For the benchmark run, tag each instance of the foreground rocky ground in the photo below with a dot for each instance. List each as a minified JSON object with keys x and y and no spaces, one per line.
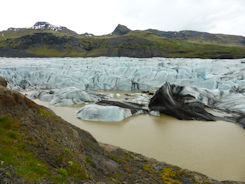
{"x":36,"y":146}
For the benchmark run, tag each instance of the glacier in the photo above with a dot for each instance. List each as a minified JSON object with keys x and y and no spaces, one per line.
{"x":128,"y":74}
{"x":219,"y":84}
{"x":67,"y":96}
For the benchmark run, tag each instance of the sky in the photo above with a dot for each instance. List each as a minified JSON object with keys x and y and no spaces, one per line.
{"x":102,"y":16}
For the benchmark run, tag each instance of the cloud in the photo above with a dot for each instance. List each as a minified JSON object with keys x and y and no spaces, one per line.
{"x":101,"y":17}
{"x":174,"y":15}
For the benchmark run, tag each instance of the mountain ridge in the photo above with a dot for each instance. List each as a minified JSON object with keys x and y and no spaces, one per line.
{"x":42,"y":25}
{"x":45,"y":40}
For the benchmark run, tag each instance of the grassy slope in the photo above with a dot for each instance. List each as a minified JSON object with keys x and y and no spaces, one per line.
{"x":135,"y":44}
{"x":22,"y":32}
{"x":15,"y":151}
{"x":202,"y":37}
{"x":176,"y":48}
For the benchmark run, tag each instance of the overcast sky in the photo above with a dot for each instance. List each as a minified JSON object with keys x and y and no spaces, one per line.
{"x":102,"y":16}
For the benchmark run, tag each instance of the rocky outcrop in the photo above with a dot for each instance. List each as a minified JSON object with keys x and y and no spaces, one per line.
{"x":190,"y":103}
{"x":133,"y":107}
{"x":3,"y":82}
{"x":121,"y":30}
{"x":169,"y":100}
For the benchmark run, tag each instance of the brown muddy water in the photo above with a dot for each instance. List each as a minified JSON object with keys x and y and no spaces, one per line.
{"x":216,"y":149}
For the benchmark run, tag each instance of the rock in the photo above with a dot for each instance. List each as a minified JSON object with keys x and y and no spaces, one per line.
{"x":127,"y":168}
{"x":121,"y":30}
{"x":241,"y":120}
{"x":11,"y":98}
{"x":94,"y":112}
{"x":24,"y":84}
{"x":3,"y":82}
{"x":168,"y":100}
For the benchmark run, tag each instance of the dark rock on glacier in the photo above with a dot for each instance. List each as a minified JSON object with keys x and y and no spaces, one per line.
{"x":134,"y":107}
{"x":241,"y":120}
{"x":169,"y":100}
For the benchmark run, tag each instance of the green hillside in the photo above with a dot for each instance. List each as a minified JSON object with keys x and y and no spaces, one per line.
{"x":122,"y":42}
{"x":202,"y":37}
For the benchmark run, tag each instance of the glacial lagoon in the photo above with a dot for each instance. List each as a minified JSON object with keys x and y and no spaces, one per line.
{"x":216,"y":149}
{"x":213,"y":148}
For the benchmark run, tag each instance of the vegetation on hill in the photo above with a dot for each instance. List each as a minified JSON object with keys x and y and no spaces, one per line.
{"x":122,"y":42}
{"x":202,"y":37}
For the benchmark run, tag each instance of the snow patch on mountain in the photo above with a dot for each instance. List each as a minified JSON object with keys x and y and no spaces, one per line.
{"x":43,"y":26}
{"x":47,"y":26}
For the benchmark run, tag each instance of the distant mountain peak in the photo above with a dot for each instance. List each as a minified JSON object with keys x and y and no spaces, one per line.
{"x":87,"y":34}
{"x":121,"y":30}
{"x":47,"y":26}
{"x":14,"y":29}
{"x":42,"y":25}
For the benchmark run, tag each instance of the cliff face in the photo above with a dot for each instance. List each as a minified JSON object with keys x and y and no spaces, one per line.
{"x":36,"y":146}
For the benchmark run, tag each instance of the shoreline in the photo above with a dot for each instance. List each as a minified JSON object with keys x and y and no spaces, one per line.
{"x":197,"y":143}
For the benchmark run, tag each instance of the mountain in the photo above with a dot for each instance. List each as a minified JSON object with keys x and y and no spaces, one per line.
{"x":46,"y":40}
{"x":45,"y":26}
{"x":121,"y":30}
{"x":201,"y":37}
{"x":36,"y":147}
{"x":86,"y":34}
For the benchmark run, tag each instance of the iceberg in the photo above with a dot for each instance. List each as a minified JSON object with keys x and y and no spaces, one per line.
{"x":94,"y":112}
{"x":106,"y":110}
